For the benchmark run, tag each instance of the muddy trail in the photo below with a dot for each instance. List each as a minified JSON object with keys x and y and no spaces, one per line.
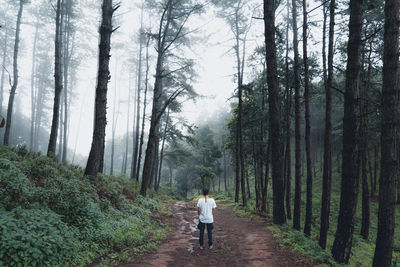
{"x":237,"y":242}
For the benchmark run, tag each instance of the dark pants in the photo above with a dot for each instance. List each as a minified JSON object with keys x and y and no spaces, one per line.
{"x":210,"y":227}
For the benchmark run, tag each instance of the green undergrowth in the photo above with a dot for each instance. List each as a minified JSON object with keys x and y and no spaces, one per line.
{"x":52,"y":215}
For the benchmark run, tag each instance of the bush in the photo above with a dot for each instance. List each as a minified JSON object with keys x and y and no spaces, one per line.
{"x":53,"y":215}
{"x":14,"y":185}
{"x":36,"y":237}
{"x":67,"y":197}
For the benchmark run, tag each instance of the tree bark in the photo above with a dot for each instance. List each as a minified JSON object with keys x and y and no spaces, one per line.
{"x":96,"y":157}
{"x":114,"y":119}
{"x":33,"y":88}
{"x":265,"y":203}
{"x":225,"y":185}
{"x":327,"y":168}
{"x":125,"y":162}
{"x":247,"y":184}
{"x":154,"y":163}
{"x":350,"y":164}
{"x":240,"y":108}
{"x":255,"y":167}
{"x":153,"y":133}
{"x":144,"y":111}
{"x":58,"y":80}
{"x":162,"y":153}
{"x":288,"y":162}
{"x":376,"y":159}
{"x":139,"y":86}
{"x":279,"y":216}
{"x":157,"y":99}
{"x":365,"y":220}
{"x":4,"y":60}
{"x":297,"y":133}
{"x":39,"y":108}
{"x":67,"y":60}
{"x":60,"y":128}
{"x":15,"y":74}
{"x":307,"y":224}
{"x":389,"y":168}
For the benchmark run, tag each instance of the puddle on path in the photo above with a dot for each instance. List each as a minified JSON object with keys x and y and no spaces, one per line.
{"x":188,"y":224}
{"x":180,"y":227}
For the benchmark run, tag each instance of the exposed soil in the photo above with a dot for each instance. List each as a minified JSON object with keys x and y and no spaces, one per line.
{"x":237,"y":242}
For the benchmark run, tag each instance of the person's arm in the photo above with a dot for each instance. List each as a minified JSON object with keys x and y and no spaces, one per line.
{"x":198,"y":208}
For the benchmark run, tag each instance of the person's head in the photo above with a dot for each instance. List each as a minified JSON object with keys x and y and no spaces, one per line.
{"x":205,"y":191}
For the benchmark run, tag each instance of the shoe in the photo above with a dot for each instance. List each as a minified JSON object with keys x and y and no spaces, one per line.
{"x":210,"y":247}
{"x":201,"y":247}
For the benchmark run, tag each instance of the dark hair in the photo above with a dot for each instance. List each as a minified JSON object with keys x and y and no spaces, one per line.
{"x":205,"y":191}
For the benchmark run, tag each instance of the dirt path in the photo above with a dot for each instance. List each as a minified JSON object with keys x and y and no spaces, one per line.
{"x":237,"y":242}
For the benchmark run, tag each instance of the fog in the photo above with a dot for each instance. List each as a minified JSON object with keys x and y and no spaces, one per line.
{"x":211,"y":48}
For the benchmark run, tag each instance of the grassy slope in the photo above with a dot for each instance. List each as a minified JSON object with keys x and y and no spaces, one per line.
{"x":52,"y":215}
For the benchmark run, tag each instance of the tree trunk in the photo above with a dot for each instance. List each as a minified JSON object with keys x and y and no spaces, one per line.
{"x":237,"y":167}
{"x":297,"y":133}
{"x":307,"y":224}
{"x":365,"y":195}
{"x":265,"y":203}
{"x":365,"y":221}
{"x":256,"y":174}
{"x":288,"y":163}
{"x":33,"y":89}
{"x":153,"y":133}
{"x":125,"y":163}
{"x":260,"y":148}
{"x":225,"y":185}
{"x":387,"y":181}
{"x":5,"y":50}
{"x":162,"y":152}
{"x":139,"y":86}
{"x":157,"y":102}
{"x":219,"y":184}
{"x":39,"y":109}
{"x":155,"y":162}
{"x":371,"y":174}
{"x":114,"y":119}
{"x":15,"y":74}
{"x":373,"y":189}
{"x":248,"y":184}
{"x":58,"y":80}
{"x":327,"y":168}
{"x":350,"y":168}
{"x":77,"y":134}
{"x":60,"y":128}
{"x":239,"y":127}
{"x":274,"y":114}
{"x":144,"y":111}
{"x":96,"y":157}
{"x":67,"y":59}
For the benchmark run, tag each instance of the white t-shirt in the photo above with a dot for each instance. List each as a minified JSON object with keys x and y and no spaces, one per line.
{"x":206,"y":209}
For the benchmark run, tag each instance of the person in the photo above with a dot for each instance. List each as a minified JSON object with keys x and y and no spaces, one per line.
{"x":205,"y":207}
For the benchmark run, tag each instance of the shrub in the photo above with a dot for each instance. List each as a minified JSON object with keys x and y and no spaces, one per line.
{"x":14,"y":185}
{"x":52,"y":215}
{"x":35,"y":237}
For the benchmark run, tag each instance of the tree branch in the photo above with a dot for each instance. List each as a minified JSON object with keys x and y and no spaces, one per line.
{"x":169,"y":101}
{"x":337,"y":89}
{"x":371,"y":35}
{"x":9,"y":75}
